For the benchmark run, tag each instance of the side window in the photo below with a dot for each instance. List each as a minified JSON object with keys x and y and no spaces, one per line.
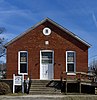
{"x":70,"y":61}
{"x":22,"y":62}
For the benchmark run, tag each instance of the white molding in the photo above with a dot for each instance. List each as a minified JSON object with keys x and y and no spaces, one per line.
{"x":19,"y":63}
{"x":47,"y":50}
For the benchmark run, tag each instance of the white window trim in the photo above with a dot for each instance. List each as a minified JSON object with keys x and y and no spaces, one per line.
{"x":19,"y":63}
{"x":71,"y":73}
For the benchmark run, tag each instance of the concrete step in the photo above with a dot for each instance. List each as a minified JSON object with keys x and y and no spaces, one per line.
{"x":44,"y":87}
{"x":41,"y":87}
{"x":38,"y":92}
{"x":43,"y":84}
{"x":38,"y":84}
{"x":40,"y":81}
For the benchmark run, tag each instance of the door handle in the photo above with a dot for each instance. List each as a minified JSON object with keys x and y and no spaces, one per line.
{"x":46,"y":71}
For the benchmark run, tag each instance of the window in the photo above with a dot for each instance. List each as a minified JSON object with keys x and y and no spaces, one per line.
{"x":46,"y":57}
{"x":22,"y":62}
{"x":46,"y":31}
{"x":70,"y":61}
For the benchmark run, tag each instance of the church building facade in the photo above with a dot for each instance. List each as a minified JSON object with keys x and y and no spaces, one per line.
{"x":45,"y":51}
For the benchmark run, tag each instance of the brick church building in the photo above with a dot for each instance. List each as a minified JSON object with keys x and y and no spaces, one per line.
{"x":45,"y":50}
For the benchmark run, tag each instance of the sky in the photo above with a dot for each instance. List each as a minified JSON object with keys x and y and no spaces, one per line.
{"x":78,"y":16}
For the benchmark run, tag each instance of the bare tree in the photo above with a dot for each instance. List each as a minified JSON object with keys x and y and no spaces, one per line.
{"x":93,"y":66}
{"x":2,"y":54}
{"x":2,"y":41}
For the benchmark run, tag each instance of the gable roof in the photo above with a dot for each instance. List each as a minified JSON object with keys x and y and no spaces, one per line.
{"x":54,"y":23}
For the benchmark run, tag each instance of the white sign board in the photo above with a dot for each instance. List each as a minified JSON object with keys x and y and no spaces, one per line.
{"x":18,"y":80}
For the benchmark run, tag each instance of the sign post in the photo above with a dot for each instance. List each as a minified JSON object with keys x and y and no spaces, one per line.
{"x":22,"y":83}
{"x":13,"y":83}
{"x":18,"y":81}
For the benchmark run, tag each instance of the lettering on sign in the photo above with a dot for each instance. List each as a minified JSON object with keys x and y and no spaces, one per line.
{"x":18,"y":80}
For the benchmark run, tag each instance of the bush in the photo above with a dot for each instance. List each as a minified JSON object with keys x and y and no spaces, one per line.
{"x":4,"y":88}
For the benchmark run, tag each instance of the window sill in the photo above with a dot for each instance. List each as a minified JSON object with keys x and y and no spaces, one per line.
{"x":23,"y":73}
{"x":71,"y":73}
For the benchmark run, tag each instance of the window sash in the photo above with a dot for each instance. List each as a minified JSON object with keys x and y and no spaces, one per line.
{"x":23,"y":68}
{"x":70,"y":67}
{"x":23,"y":64}
{"x":47,"y":58}
{"x":70,"y":61}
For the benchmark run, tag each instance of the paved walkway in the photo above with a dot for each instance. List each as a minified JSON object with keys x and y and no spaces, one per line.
{"x":33,"y":97}
{"x":50,"y":97}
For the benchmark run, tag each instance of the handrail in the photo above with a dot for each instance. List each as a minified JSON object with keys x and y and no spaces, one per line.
{"x":83,"y":73}
{"x":77,"y":76}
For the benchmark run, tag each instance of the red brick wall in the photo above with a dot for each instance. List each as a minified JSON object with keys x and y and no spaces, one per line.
{"x":34,"y":41}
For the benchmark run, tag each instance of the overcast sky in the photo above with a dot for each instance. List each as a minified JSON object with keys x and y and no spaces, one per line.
{"x":78,"y":16}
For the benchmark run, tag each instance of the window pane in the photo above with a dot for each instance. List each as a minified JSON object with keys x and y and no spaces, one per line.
{"x":46,"y":54}
{"x":23,"y":68}
{"x":70,"y":67}
{"x":46,"y":31}
{"x":46,"y":57}
{"x":47,"y":61}
{"x":70,"y":57}
{"x":23,"y":56}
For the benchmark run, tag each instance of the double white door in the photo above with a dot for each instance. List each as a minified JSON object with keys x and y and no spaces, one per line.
{"x":46,"y":64}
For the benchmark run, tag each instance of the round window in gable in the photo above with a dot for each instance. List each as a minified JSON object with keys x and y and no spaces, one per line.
{"x":46,"y":31}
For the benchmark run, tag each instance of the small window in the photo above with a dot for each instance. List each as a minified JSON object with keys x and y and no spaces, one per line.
{"x":70,"y":61}
{"x":23,"y":62}
{"x":46,"y":31}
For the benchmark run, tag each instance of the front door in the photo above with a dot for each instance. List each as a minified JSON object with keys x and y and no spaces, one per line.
{"x":46,"y":64}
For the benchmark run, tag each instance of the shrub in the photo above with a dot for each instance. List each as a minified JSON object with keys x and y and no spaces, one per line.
{"x":4,"y":88}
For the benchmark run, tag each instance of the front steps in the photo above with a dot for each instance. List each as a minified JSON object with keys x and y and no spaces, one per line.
{"x":45,"y":87}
